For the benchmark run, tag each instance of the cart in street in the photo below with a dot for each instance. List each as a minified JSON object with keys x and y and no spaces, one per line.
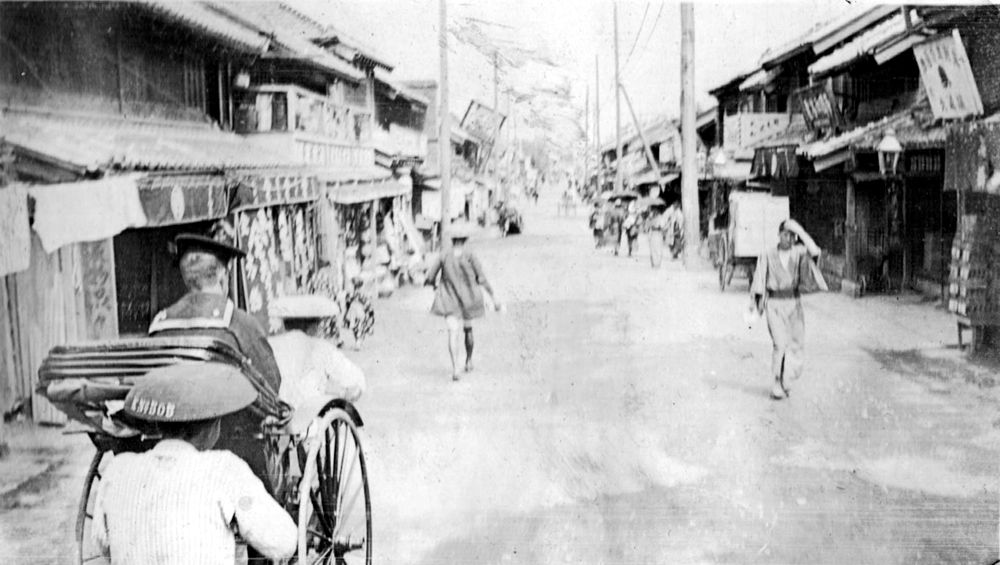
{"x":754,"y":218}
{"x":313,"y":452}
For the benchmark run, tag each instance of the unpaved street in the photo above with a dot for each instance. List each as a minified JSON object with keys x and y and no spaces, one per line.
{"x":621,"y":415}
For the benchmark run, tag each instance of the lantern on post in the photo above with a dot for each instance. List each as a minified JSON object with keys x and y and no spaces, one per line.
{"x":889,"y":150}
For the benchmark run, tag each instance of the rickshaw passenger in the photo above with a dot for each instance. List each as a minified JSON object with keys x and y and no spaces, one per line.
{"x":206,"y":310}
{"x":183,"y":502}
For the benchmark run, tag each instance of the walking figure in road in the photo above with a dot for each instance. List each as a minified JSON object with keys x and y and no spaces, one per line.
{"x":324,"y":283}
{"x":616,"y":220}
{"x":360,"y":315}
{"x":597,"y":224}
{"x":657,"y":234}
{"x":458,"y":275}
{"x":675,"y":230}
{"x":631,"y":227}
{"x":783,"y":274}
{"x":182,"y":501}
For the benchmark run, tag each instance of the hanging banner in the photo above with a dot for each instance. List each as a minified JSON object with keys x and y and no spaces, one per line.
{"x":947,"y":77}
{"x":15,"y":235}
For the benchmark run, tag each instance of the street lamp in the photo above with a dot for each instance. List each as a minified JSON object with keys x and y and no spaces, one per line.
{"x":889,"y":150}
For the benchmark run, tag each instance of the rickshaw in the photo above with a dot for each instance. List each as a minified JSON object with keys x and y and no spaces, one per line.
{"x":313,"y":452}
{"x":754,"y":218}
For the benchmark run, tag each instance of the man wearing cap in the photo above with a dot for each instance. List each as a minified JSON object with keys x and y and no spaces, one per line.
{"x":182,"y":502}
{"x":207,"y":310}
{"x":458,"y":297}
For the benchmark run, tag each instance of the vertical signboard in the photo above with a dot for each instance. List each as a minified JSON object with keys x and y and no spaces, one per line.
{"x":947,"y":77}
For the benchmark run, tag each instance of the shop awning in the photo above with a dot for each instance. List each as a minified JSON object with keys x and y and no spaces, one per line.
{"x":74,"y":212}
{"x":85,"y":145}
{"x":358,"y":192}
{"x":650,"y":177}
{"x":732,"y":170}
{"x":760,"y":79}
{"x":181,"y":199}
{"x":256,"y":189}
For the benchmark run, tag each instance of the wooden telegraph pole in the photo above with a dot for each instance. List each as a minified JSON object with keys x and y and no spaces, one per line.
{"x":689,"y":164}
{"x":597,"y":123}
{"x":444,"y":134}
{"x":618,"y":113}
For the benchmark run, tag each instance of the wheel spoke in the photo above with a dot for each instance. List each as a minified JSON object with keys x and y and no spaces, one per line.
{"x":318,"y":510}
{"x":321,"y":535}
{"x":347,"y":479}
{"x":93,"y":558}
{"x":347,"y":510}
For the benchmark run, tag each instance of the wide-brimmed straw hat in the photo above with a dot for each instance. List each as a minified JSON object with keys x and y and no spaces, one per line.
{"x":188,"y":392}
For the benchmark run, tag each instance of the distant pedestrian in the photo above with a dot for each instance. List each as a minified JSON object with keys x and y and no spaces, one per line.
{"x":657,"y":226}
{"x":675,"y":230}
{"x":325,"y":282}
{"x":631,"y":227}
{"x":598,"y":222}
{"x":616,"y":220}
{"x":459,"y":283}
{"x":360,"y":313}
{"x":783,"y":274}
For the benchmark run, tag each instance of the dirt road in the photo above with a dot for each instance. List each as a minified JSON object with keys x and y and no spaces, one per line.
{"x":620,"y":415}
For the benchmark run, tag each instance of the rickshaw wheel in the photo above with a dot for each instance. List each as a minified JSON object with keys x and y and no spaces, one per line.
{"x":87,"y":553}
{"x":335,"y":527}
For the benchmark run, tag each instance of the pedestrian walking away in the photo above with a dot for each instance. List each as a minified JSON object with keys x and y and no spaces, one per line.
{"x":597,"y":224}
{"x":182,"y":502}
{"x":631,"y":227}
{"x":783,"y":274}
{"x":459,"y":283}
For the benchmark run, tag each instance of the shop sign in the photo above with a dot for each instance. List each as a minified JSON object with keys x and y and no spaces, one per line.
{"x":924,"y":163}
{"x":947,"y":77}
{"x":819,"y":107}
{"x":482,"y":121}
{"x":176,"y":199}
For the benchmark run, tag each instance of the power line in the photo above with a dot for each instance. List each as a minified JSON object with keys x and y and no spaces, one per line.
{"x":637,"y":35}
{"x":652,"y":30}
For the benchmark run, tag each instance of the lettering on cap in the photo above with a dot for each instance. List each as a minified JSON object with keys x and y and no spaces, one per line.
{"x":153,"y":408}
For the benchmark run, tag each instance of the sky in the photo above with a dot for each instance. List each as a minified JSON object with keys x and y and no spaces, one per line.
{"x":730,"y":38}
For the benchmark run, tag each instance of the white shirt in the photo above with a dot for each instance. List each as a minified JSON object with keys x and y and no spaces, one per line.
{"x":175,"y":505}
{"x":312,"y":367}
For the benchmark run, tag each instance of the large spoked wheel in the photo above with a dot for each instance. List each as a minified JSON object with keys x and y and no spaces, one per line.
{"x":335,"y":520}
{"x":87,"y":552}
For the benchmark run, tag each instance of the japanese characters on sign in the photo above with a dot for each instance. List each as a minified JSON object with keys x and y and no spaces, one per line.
{"x":819,"y":107}
{"x":947,"y":77}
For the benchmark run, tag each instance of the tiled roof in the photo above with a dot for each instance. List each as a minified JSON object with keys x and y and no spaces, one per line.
{"x":292,"y":31}
{"x":399,"y":88}
{"x":110,"y":143}
{"x":862,"y":45}
{"x":906,"y":124}
{"x":202,"y":17}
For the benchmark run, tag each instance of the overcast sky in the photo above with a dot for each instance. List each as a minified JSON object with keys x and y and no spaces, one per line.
{"x":729,"y":39}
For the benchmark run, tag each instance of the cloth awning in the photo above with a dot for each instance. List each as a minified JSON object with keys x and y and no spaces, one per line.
{"x":650,"y":177}
{"x":94,"y":144}
{"x":256,"y":189}
{"x":358,"y":192}
{"x":180,"y":199}
{"x":73,"y":212}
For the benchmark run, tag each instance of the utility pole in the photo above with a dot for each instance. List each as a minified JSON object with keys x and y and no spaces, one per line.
{"x":597,"y":123}
{"x":642,"y":137}
{"x":689,"y":164}
{"x":444,"y":134}
{"x":618,"y":114}
{"x":586,"y":138}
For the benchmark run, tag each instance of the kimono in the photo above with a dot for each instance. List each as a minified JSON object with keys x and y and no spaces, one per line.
{"x":457,"y":293}
{"x":780,"y":285}
{"x":657,"y":239}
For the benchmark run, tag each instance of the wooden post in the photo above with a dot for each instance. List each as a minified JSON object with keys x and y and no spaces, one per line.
{"x":689,"y":163}
{"x":850,"y":234}
{"x":618,"y":112}
{"x":597,"y":123}
{"x":642,"y":137}
{"x":444,"y":134}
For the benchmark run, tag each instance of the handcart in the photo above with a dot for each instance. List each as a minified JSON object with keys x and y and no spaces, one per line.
{"x":313,"y":452}
{"x":754,"y":219}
